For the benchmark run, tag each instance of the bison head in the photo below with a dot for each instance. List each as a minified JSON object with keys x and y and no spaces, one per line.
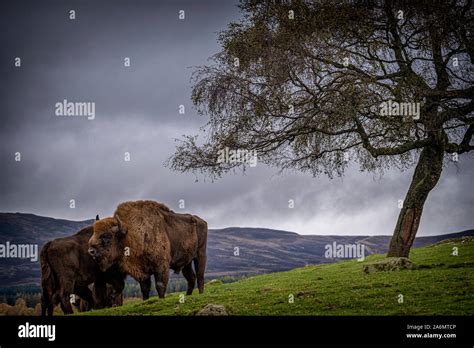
{"x":106,"y":243}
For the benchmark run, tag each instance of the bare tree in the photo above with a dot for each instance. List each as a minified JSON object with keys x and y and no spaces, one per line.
{"x":312,"y":85}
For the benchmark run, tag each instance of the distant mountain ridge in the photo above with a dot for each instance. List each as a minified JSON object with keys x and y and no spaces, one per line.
{"x":259,"y":250}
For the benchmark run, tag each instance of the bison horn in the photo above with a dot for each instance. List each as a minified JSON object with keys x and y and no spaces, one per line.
{"x":120,"y":227}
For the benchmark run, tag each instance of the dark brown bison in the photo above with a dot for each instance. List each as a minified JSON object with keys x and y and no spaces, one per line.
{"x":146,"y":238}
{"x":67,"y":268}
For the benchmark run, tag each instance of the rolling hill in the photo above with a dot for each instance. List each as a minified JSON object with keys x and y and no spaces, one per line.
{"x":260,"y":250}
{"x":441,"y":284}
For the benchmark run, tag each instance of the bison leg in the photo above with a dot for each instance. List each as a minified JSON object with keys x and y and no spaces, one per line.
{"x":87,"y":301}
{"x":116,"y":299}
{"x":84,"y":306}
{"x":190,"y":276}
{"x":66,"y":302}
{"x":118,"y":284}
{"x":145,"y":287}
{"x":200,"y":266}
{"x":46,"y":305}
{"x":100,"y":294}
{"x":161,"y":280}
{"x":50,"y":310}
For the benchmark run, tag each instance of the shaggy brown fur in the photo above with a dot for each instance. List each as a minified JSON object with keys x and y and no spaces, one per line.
{"x":68,"y":269}
{"x":147,"y":238}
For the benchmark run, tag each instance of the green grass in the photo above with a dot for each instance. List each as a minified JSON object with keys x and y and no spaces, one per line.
{"x":443,"y":285}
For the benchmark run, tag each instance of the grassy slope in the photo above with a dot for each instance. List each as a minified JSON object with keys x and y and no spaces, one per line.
{"x":444,"y":287}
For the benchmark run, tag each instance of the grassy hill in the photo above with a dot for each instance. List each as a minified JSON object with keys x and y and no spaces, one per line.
{"x":261,"y":250}
{"x":441,"y":285}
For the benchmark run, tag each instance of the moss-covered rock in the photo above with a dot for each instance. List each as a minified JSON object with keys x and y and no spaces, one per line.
{"x":389,"y":264}
{"x":213,"y":310}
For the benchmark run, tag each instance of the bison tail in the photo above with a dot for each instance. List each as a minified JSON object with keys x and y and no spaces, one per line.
{"x":48,"y":281}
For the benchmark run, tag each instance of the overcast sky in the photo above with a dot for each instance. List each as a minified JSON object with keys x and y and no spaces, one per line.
{"x":64,"y":158}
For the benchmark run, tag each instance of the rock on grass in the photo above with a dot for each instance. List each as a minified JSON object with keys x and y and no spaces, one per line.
{"x":212,"y":310}
{"x":389,"y":264}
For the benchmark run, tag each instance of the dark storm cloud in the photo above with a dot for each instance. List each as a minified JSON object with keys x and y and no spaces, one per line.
{"x":83,"y":59}
{"x":137,"y":112}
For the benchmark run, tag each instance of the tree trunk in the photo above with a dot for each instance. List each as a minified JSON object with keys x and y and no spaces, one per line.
{"x":426,"y":176}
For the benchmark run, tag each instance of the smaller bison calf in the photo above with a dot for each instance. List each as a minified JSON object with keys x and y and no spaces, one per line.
{"x":68,"y":269}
